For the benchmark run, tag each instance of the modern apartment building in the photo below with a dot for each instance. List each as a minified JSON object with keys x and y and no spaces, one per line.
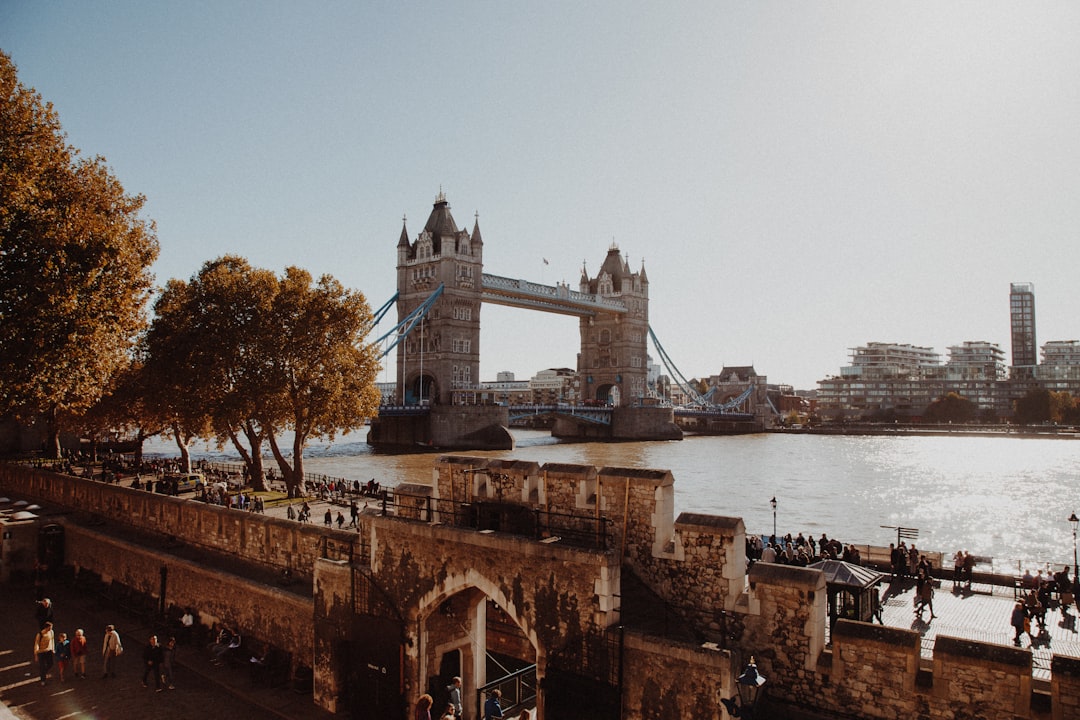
{"x":902,"y":380}
{"x":1022,"y":323}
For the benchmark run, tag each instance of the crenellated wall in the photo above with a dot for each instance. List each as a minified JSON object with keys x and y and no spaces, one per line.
{"x":673,"y":681}
{"x":557,"y":593}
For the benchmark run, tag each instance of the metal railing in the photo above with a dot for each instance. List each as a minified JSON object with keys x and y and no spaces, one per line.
{"x":518,"y":691}
{"x":578,"y":530}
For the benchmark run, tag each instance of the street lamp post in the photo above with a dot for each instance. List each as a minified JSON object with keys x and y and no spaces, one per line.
{"x":749,"y":686}
{"x":773,"y":503}
{"x":1075,"y":521}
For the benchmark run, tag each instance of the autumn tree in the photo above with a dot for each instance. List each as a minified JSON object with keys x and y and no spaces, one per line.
{"x":74,"y":266}
{"x":206,"y":358}
{"x":950,"y":408}
{"x":1034,"y":407}
{"x":324,"y":368}
{"x":245,"y":356}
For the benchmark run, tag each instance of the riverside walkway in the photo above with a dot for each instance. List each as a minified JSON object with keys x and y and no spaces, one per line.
{"x":981,"y":614}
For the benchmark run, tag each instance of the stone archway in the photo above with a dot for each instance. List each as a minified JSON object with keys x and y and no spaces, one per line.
{"x":472,"y":626}
{"x":423,"y":389}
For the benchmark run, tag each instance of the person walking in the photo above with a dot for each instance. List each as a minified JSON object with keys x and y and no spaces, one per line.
{"x":78,"y":654}
{"x":152,"y":657}
{"x":44,"y":612}
{"x":168,"y":654}
{"x":926,"y":597}
{"x":453,"y":691}
{"x":1018,"y":620}
{"x":111,"y":648}
{"x":44,"y":648}
{"x":423,"y":707}
{"x":63,"y":655}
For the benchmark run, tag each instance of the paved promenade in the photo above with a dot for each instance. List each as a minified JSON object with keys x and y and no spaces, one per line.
{"x":202,"y":690}
{"x":982,"y":614}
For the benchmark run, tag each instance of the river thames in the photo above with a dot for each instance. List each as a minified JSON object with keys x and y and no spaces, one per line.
{"x":1004,"y":497}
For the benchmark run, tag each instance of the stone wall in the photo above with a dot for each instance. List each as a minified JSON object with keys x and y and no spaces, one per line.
{"x":256,"y":538}
{"x":874,"y":669}
{"x":644,"y":423}
{"x":557,"y":594}
{"x":258,"y":610}
{"x":663,"y":680}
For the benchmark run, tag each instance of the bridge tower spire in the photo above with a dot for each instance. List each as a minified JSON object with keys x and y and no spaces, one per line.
{"x":439,"y":362}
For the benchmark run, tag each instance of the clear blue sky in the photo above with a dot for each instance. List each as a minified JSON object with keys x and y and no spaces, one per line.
{"x":798,"y":178}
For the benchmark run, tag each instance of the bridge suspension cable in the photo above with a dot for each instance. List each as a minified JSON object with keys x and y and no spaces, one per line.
{"x":381,"y":312}
{"x":684,"y":384}
{"x":403,"y":328}
{"x":681,"y":381}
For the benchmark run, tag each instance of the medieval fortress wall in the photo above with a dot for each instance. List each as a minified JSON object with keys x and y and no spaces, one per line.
{"x":426,"y":557}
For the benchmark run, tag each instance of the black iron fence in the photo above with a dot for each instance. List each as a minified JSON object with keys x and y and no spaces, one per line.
{"x":579,"y":530}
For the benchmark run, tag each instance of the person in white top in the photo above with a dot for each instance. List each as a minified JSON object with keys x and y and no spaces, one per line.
{"x":111,"y":648}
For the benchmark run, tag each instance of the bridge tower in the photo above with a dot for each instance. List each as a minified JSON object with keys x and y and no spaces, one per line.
{"x":612,"y":363}
{"x":439,"y":362}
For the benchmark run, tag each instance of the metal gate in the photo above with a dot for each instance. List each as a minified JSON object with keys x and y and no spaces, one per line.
{"x":373,"y":684}
{"x":583,"y":681}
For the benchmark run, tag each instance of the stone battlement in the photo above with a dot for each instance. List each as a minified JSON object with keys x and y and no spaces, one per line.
{"x":397,"y":593}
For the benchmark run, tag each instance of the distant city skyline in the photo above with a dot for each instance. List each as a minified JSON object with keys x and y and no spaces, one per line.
{"x":797,"y":180}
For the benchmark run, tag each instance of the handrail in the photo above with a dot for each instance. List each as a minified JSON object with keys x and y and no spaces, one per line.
{"x":577,"y":530}
{"x":518,"y":690}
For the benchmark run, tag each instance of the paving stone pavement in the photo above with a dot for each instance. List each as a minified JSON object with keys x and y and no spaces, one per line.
{"x":202,"y":690}
{"x":983,"y":614}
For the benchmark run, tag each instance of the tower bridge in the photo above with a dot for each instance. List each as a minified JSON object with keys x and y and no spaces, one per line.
{"x":441,"y":286}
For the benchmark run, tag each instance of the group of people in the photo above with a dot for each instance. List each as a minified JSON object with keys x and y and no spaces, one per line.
{"x":493,"y":709}
{"x":57,"y":649}
{"x":52,"y":648}
{"x":1036,"y":596}
{"x":800,"y":551}
{"x":158,"y":663}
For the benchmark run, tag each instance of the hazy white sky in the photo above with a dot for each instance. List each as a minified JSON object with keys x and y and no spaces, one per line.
{"x":798,"y":178}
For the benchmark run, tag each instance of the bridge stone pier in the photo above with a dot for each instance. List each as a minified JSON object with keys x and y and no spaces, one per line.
{"x":441,"y":287}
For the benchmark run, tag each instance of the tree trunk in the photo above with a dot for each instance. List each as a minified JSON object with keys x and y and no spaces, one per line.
{"x":295,"y":483}
{"x":185,"y":454}
{"x":52,"y":447}
{"x":298,"y":458}
{"x":252,"y":458}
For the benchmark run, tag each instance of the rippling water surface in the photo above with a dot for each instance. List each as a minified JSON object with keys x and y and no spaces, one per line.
{"x":1004,"y":497}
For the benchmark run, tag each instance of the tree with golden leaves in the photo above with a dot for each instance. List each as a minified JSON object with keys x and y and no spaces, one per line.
{"x":323,"y":369}
{"x":245,"y":356}
{"x":75,"y":259}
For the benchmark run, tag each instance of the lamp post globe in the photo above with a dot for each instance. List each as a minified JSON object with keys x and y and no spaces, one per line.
{"x":1075,"y":522}
{"x":750,"y":685}
{"x":773,"y":503}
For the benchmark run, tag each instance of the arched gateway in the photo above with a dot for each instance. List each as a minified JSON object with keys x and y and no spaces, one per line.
{"x":428,"y":601}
